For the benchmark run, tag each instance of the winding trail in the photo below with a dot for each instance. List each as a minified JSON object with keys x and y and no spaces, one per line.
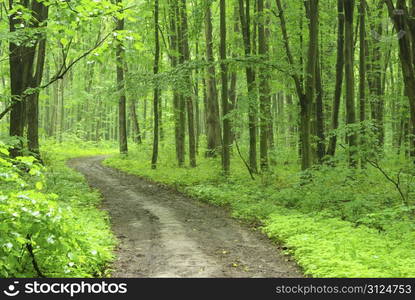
{"x":163,"y":233}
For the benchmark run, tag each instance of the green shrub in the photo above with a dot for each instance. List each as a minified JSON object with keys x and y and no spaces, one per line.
{"x":49,"y":215}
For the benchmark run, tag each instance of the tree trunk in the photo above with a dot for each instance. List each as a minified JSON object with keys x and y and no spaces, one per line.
{"x":188,"y":97}
{"x":331,"y":150}
{"x":197,"y":107}
{"x":122,"y":118}
{"x":375,"y":77}
{"x":224,"y":92}
{"x":362,"y":72}
{"x":135,"y":123}
{"x":213,"y":134}
{"x":244,"y":12}
{"x":321,"y":148}
{"x":22,"y":77}
{"x":16,"y":89}
{"x":156,"y":88}
{"x":33,"y":100}
{"x":264,"y":90}
{"x":349,"y":76}
{"x":174,"y":57}
{"x":234,"y":75}
{"x":310,"y":85}
{"x":61,"y":108}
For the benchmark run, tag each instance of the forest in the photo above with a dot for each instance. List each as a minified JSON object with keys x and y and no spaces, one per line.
{"x":187,"y":122}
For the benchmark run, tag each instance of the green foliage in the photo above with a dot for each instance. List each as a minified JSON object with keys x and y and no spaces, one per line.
{"x":335,"y":221}
{"x":334,"y":248}
{"x":52,"y":210}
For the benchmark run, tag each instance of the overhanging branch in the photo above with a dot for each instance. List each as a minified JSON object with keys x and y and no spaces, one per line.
{"x":60,"y":74}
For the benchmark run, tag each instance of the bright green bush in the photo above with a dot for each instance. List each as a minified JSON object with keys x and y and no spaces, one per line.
{"x":52,"y":211}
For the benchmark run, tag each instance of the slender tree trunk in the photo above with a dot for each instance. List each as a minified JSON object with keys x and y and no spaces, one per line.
{"x":321,"y":148}
{"x":224,"y":92}
{"x":406,"y":44}
{"x":305,"y":95}
{"x":244,"y":12}
{"x":122,"y":115}
{"x":174,"y":49}
{"x":33,"y":102}
{"x":160,"y":109}
{"x":264,"y":90}
{"x":156,"y":88}
{"x":310,"y":85}
{"x":362,"y":72}
{"x":41,"y":12}
{"x":144,"y":117}
{"x":234,"y":75}
{"x":197,"y":107}
{"x":339,"y":78}
{"x":188,"y":97}
{"x":47,"y":111}
{"x":135,"y":123}
{"x":375,"y":77}
{"x":213,"y":134}
{"x":178,"y":98}
{"x":349,"y":76}
{"x":61,"y":109}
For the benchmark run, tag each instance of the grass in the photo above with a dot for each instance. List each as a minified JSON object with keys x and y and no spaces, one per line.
{"x":335,"y":222}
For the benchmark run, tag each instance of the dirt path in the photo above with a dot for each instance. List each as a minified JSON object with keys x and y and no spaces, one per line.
{"x":165,"y":234}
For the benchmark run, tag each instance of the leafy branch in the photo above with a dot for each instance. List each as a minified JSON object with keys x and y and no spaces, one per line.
{"x":60,"y":74}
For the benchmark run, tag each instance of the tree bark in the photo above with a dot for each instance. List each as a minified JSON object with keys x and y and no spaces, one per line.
{"x":244,"y":12}
{"x":41,"y":12}
{"x":321,"y":148}
{"x":264,"y":89}
{"x":375,"y":78}
{"x":349,"y":76}
{"x":305,"y":95}
{"x":188,"y":97}
{"x":122,"y":118}
{"x":177,"y":99}
{"x":224,"y":92}
{"x":310,"y":85}
{"x":213,"y":134}
{"x":362,"y":72}
{"x":136,"y":125}
{"x":156,"y":88}
{"x":331,"y":150}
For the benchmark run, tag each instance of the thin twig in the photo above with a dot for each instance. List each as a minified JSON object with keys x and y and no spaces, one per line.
{"x":60,"y":74}
{"x":243,"y":159}
{"x":396,"y":183}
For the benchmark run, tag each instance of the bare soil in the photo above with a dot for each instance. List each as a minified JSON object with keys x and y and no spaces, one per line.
{"x":163,"y":233}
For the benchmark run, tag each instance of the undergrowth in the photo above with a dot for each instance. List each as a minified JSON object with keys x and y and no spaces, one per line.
{"x":50,"y":222}
{"x":334,"y":221}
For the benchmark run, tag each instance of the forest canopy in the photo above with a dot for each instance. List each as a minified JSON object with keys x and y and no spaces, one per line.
{"x":273,"y":75}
